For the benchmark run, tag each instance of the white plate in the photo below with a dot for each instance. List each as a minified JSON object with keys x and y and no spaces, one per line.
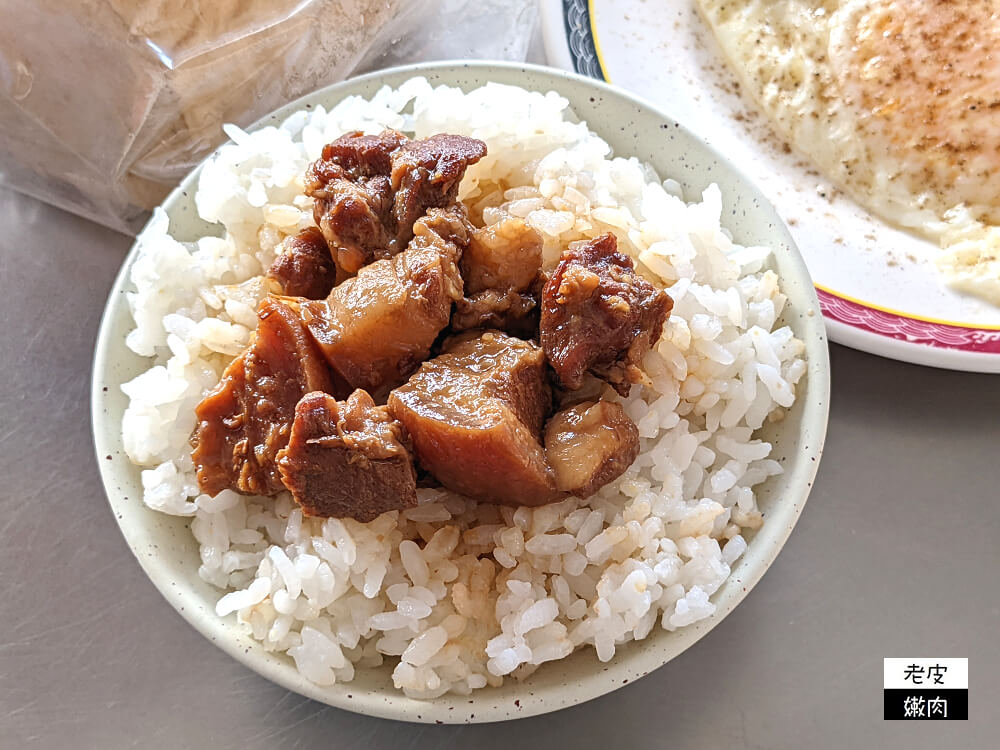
{"x":875,"y":286}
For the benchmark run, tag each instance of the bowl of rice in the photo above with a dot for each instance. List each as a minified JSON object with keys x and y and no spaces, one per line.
{"x":457,"y":611}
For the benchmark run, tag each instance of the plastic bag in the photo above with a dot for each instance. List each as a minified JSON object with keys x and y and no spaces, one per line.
{"x":106,"y":104}
{"x":460,"y":30}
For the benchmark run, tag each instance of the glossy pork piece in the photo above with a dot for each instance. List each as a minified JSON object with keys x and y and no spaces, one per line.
{"x":501,"y":270}
{"x":426,"y":174}
{"x":589,"y":445}
{"x":347,"y":459}
{"x":376,"y":328}
{"x":304,"y":266}
{"x":246,"y":419}
{"x":599,"y":315}
{"x":353,"y":194}
{"x":371,"y":189}
{"x":475,"y":416}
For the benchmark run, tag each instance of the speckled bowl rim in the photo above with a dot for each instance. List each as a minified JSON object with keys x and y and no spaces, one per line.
{"x":556,"y":685}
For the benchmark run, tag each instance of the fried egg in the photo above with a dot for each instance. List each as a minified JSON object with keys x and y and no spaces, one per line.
{"x":896,"y":101}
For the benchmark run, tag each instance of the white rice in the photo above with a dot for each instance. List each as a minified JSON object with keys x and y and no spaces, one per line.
{"x":458,"y":595}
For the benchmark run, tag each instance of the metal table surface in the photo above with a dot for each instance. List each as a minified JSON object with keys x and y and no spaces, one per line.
{"x":896,"y":555}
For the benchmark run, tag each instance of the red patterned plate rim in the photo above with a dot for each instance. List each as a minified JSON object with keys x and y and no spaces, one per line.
{"x":914,"y":330}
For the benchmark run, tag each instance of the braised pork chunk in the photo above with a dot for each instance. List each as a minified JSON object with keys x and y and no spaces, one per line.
{"x":371,"y":189}
{"x":347,"y":459}
{"x":501,"y":268}
{"x":246,"y":419}
{"x":599,"y":315}
{"x":475,"y":415}
{"x":376,"y":328}
{"x":304,"y":266}
{"x":589,"y":445}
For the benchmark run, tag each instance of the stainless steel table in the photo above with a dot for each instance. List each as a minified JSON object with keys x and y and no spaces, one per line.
{"x":895,"y":555}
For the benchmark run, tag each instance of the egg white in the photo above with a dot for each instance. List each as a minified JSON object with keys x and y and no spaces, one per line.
{"x":896,"y":101}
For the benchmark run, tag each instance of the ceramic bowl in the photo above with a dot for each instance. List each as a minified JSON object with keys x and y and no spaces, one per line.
{"x":168,"y":553}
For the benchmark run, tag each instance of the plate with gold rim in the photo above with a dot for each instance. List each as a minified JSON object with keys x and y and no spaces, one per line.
{"x":876,"y":284}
